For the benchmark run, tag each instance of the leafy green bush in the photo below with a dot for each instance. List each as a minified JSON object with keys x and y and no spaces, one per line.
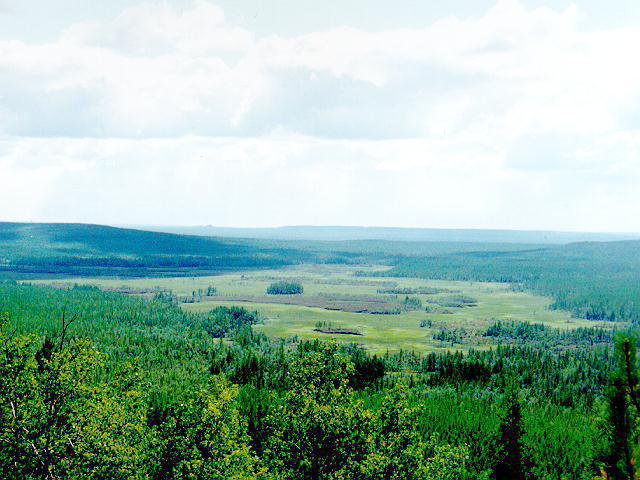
{"x":285,"y":288}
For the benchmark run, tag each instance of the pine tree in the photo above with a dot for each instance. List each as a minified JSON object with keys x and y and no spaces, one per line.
{"x":622,"y":403}
{"x":511,"y":465}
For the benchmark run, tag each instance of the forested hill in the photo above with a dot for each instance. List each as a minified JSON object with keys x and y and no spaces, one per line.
{"x":594,"y":280}
{"x":353,"y":233}
{"x":97,"y":250}
{"x":80,"y":249}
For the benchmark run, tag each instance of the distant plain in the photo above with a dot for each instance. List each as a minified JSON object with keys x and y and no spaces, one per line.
{"x":378,"y":333}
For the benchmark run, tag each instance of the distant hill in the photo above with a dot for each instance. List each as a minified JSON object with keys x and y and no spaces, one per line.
{"x":65,"y":249}
{"x":80,"y":249}
{"x":330,"y":233}
{"x":593,"y":280}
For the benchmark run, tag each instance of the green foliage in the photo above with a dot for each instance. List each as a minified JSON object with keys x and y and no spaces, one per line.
{"x":622,"y":412}
{"x":220,"y":321}
{"x":534,"y":333}
{"x":219,"y":400}
{"x":597,"y":281}
{"x":204,"y":437}
{"x":57,"y":422}
{"x":511,"y":464}
{"x":450,"y":335}
{"x":401,"y":452}
{"x":412,"y":303}
{"x":329,"y":328}
{"x":553,"y":374}
{"x":94,"y":250}
{"x":456,"y":301}
{"x":560,"y":442}
{"x":367,"y":370}
{"x":285,"y":288}
{"x":412,"y":291}
{"x":320,"y":430}
{"x":171,"y":346}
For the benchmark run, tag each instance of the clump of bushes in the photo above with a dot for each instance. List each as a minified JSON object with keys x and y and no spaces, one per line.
{"x":453,"y":336}
{"x":412,"y":303}
{"x":222,"y":320}
{"x":329,"y":327}
{"x":285,"y":288}
{"x":435,"y":308}
{"x":414,"y":291}
{"x":457,"y":301}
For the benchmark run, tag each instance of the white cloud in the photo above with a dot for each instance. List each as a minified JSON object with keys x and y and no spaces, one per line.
{"x":492,"y":121}
{"x":156,"y":70}
{"x":150,"y":29}
{"x":292,"y":179}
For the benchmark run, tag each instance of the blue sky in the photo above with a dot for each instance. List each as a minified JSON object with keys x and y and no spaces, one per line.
{"x":508,"y":114}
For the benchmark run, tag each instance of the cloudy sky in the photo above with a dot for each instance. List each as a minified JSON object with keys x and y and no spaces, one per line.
{"x":508,"y":114}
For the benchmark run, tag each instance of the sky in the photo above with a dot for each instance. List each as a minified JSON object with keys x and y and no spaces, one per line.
{"x":462,"y":114}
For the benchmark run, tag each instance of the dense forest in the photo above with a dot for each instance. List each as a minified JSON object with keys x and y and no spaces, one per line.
{"x":597,"y":281}
{"x":94,"y":250}
{"x":36,"y":250}
{"x":102,"y":385}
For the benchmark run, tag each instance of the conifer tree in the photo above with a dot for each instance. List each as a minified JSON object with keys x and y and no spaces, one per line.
{"x":511,"y":465}
{"x":622,"y":405}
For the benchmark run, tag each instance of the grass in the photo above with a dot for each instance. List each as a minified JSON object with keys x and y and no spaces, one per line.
{"x":379,"y":332}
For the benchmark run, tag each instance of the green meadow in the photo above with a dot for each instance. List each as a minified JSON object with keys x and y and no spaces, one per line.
{"x":411,"y":329}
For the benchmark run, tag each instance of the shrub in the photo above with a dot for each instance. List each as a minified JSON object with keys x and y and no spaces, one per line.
{"x":285,"y":288}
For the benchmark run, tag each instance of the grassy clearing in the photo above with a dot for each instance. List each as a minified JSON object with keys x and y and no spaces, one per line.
{"x":378,"y":332}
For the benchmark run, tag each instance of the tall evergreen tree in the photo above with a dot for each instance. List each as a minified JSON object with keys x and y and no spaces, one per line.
{"x":622,"y":403}
{"x":511,"y":466}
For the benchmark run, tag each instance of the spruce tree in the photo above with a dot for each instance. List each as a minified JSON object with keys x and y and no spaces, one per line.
{"x":622,"y":403}
{"x":511,"y":465}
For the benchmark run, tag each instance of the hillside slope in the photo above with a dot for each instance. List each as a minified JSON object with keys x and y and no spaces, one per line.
{"x":594,"y":280}
{"x":80,"y":249}
{"x":339,"y":233}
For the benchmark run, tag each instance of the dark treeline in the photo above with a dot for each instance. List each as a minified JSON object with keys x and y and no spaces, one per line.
{"x":95,"y":250}
{"x":597,"y":281}
{"x":512,"y":332}
{"x":134,"y":388}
